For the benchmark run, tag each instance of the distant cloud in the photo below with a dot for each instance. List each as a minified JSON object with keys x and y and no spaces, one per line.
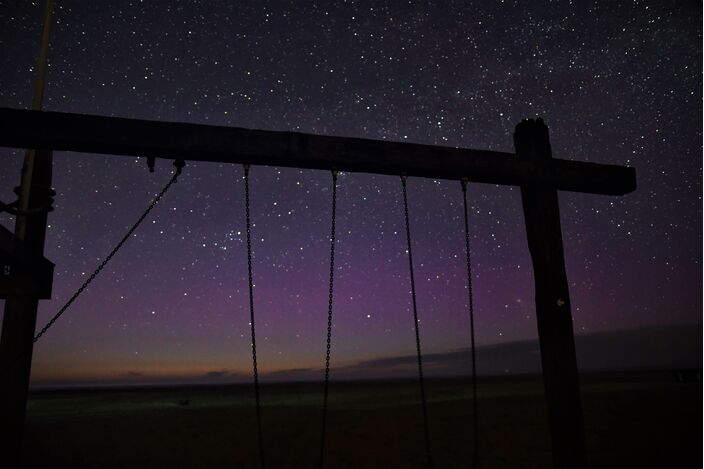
{"x":386,"y":362}
{"x":220,"y":374}
{"x":655,"y":348}
{"x":670,"y":347}
{"x":295,"y":374}
{"x":292,"y":371}
{"x":512,"y":357}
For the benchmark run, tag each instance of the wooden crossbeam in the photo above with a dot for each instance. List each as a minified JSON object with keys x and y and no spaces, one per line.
{"x":195,"y":142}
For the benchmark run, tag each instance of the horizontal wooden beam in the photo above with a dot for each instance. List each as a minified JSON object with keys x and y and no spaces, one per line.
{"x":195,"y":142}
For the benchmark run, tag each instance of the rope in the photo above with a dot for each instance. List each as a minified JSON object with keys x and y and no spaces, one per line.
{"x":251,"y":316}
{"x":179,"y":166}
{"x":475,"y":416}
{"x":421,"y":380}
{"x":330,"y":291}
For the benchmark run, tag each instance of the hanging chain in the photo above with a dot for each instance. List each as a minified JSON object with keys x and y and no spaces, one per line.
{"x":475,"y":416}
{"x":421,"y":380}
{"x":330,"y":292}
{"x":179,"y":164}
{"x":251,"y":316}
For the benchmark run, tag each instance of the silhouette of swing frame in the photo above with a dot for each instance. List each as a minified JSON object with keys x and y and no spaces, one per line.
{"x":532,"y":168}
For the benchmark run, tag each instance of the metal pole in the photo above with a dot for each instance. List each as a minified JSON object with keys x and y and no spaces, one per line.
{"x":28,"y":165}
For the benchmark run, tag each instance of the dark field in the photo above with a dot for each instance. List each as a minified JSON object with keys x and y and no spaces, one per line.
{"x":639,"y":420}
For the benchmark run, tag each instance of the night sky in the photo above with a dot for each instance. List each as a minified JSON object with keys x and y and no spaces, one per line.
{"x":616,"y":82}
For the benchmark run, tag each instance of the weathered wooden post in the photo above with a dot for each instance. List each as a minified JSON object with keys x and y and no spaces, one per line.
{"x":20,"y":314}
{"x":19,"y":320}
{"x":552,"y":303}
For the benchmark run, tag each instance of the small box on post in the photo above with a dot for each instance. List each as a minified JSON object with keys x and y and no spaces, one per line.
{"x":22,"y":275}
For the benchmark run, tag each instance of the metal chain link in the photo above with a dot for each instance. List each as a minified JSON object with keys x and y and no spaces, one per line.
{"x":421,"y":380}
{"x":330,"y":296}
{"x":475,"y":416}
{"x":251,"y":316}
{"x":179,"y":166}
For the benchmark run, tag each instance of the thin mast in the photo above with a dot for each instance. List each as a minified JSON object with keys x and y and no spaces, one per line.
{"x":39,"y":85}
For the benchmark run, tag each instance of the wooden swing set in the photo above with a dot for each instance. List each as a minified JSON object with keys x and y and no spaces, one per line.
{"x":26,"y":276}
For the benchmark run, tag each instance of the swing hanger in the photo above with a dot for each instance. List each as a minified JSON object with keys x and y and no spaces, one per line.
{"x":179,"y":163}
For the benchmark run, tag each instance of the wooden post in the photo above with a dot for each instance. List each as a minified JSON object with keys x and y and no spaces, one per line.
{"x":552,"y":304}
{"x":19,"y":321}
{"x":20,"y":315}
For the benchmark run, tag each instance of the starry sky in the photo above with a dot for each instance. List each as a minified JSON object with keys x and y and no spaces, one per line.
{"x":616,"y":82}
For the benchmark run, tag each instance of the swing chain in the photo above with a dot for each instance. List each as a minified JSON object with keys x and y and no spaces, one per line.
{"x":475,"y":417}
{"x":329,"y":332}
{"x":421,"y":379}
{"x":332,"y":273}
{"x":255,"y":370}
{"x":179,"y":164}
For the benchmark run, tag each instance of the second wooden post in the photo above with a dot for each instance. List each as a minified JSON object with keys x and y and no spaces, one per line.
{"x":552,"y":304}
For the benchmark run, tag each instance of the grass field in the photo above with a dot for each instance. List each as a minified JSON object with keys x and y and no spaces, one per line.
{"x":645,"y":420}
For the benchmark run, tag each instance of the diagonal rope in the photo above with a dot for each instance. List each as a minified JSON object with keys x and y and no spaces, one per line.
{"x":330,"y":292}
{"x":179,"y":166}
{"x":421,"y":380}
{"x":475,"y":416}
{"x":251,"y":317}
